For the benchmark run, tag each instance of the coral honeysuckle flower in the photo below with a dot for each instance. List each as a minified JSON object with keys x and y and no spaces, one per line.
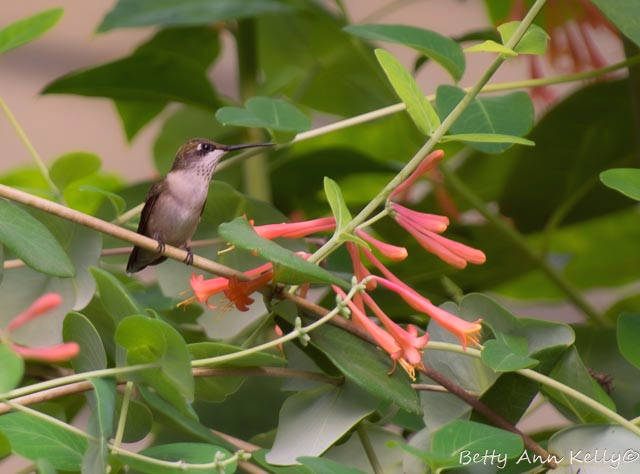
{"x":464,"y":330}
{"x":294,"y":230}
{"x":43,"y":304}
{"x":392,"y":252}
{"x":408,"y":357}
{"x":425,"y":166}
{"x":454,"y":253}
{"x":57,"y":353}
{"x":236,"y":292}
{"x":407,"y":339}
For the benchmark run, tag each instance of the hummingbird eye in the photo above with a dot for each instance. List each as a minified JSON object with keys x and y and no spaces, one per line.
{"x":206,"y":147}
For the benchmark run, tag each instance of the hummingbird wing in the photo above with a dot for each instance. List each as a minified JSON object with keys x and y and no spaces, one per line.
{"x":140,"y":258}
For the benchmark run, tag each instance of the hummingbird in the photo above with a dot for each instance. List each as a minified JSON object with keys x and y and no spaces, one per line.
{"x":173,"y":206}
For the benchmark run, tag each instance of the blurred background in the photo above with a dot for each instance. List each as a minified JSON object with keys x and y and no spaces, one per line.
{"x":58,"y":124}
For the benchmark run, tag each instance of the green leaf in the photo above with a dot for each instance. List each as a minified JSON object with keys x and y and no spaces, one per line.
{"x":454,"y":444}
{"x":318,"y":53}
{"x":502,"y":358}
{"x":441,"y":49}
{"x":135,"y":114}
{"x":34,"y":438}
{"x":32,"y":242}
{"x":361,"y":363}
{"x":418,"y":107}
{"x":12,"y":369}
{"x":79,"y":329}
{"x":216,"y":389}
{"x":572,"y":372}
{"x":28,"y":29}
{"x":149,"y":341}
{"x":139,"y":420}
{"x":265,"y":112}
{"x":509,"y":114}
{"x":102,"y":401}
{"x":490,"y":46}
{"x":185,"y":421}
{"x":136,"y":13}
{"x":288,"y":267}
{"x":326,"y":466}
{"x":73,"y":166}
{"x":336,"y":201}
{"x":628,"y":330}
{"x":486,"y":138}
{"x":622,"y":14}
{"x":340,"y":408}
{"x":624,"y":180}
{"x":74,"y":195}
{"x":146,"y":76}
{"x":116,"y":300}
{"x":534,"y":41}
{"x":340,"y":211}
{"x":185,"y":457}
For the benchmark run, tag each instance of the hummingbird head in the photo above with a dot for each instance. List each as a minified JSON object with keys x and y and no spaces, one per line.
{"x":202,"y":155}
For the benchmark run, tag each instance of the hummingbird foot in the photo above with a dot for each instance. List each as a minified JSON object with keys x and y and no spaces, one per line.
{"x":161,"y":244}
{"x":189,"y":258}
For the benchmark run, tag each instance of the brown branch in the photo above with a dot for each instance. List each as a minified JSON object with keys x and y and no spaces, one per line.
{"x":116,"y":231}
{"x":85,"y":385}
{"x":495,"y":418}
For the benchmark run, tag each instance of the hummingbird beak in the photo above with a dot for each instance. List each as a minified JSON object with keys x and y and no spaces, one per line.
{"x":247,"y":145}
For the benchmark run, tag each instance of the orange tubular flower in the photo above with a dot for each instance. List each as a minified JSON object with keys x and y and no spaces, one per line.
{"x":463,"y":330}
{"x":423,"y":230}
{"x":294,"y":230}
{"x":402,"y":346}
{"x":237,"y":292}
{"x":425,"y":166}
{"x":57,"y":353}
{"x":392,"y":252}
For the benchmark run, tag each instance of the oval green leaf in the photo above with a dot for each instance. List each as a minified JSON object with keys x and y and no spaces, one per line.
{"x":73,"y":166}
{"x":34,"y":438}
{"x":12,"y":369}
{"x":441,"y":49}
{"x":502,"y":116}
{"x":265,"y":112}
{"x":116,"y":300}
{"x":32,"y":242}
{"x":502,"y":358}
{"x":486,"y":138}
{"x":151,"y":341}
{"x":28,"y":29}
{"x":624,"y":180}
{"x":136,"y":13}
{"x":534,"y":41}
{"x":628,"y":331}
{"x":149,"y":76}
{"x":79,"y":329}
{"x":418,"y":107}
{"x":339,"y":408}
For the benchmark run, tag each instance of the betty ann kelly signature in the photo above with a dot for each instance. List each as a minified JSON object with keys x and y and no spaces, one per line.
{"x":601,"y":457}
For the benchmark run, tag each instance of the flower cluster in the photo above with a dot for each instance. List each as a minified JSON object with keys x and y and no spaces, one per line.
{"x":57,"y":353}
{"x":403,"y":345}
